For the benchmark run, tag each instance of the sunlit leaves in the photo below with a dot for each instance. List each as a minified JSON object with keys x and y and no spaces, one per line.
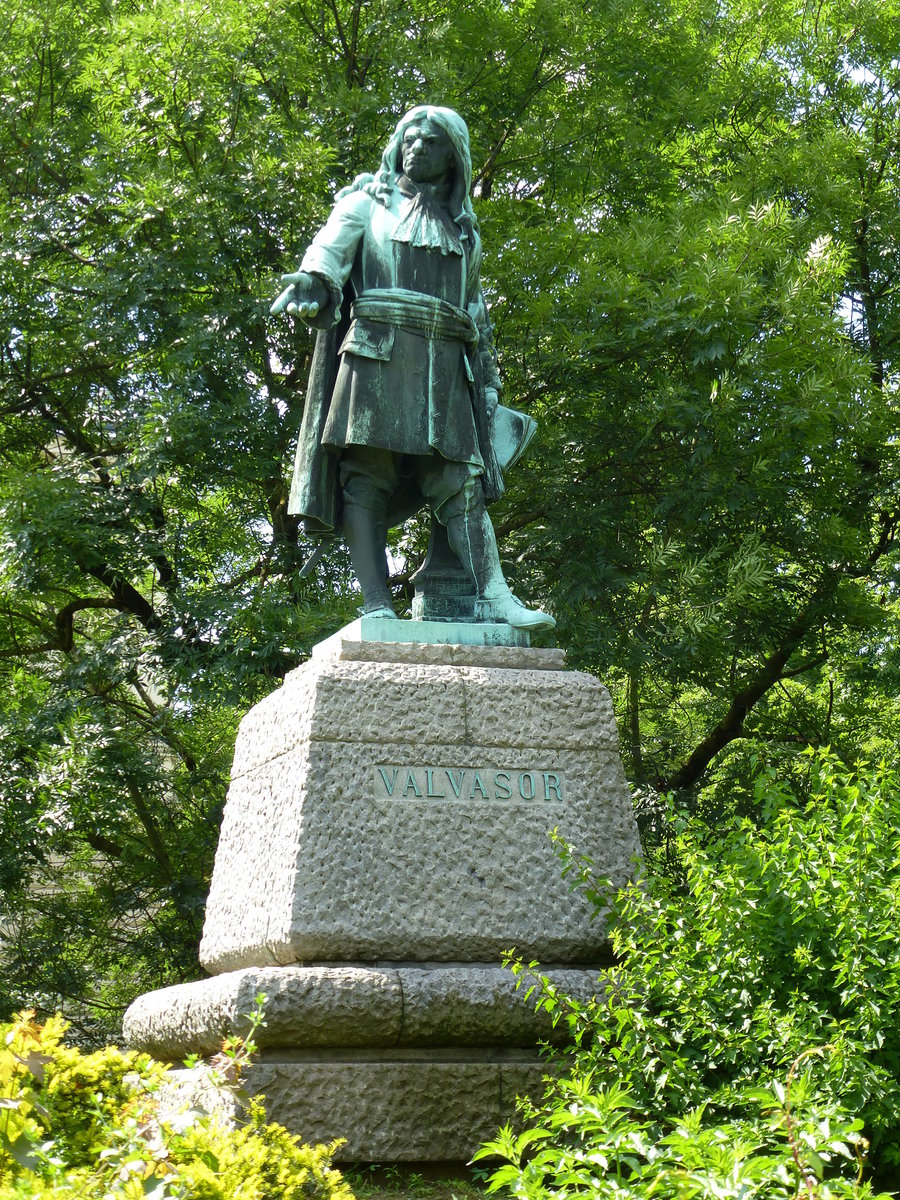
{"x":746,"y":1042}
{"x":689,"y":213}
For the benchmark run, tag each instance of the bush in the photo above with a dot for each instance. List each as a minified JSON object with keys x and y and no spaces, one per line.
{"x":108,"y":1126}
{"x":748,"y":1040}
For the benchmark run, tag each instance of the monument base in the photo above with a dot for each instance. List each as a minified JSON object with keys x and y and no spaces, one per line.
{"x":407,"y":1063}
{"x":386,"y":839}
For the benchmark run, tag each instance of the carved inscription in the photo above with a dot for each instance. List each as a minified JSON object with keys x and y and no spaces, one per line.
{"x":468,"y":783}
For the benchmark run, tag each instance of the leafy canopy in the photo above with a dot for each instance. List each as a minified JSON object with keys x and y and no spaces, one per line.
{"x":689,"y":212}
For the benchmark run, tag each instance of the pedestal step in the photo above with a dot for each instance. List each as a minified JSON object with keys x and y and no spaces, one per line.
{"x":349,"y":1005}
{"x":406,"y":1062}
{"x":430,"y":1108}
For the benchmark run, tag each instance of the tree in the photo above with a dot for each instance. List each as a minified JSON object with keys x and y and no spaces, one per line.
{"x":709,"y":344}
{"x":161,"y":165}
{"x":689,"y":211}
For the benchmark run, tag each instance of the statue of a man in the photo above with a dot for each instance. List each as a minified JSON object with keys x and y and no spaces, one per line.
{"x":404,"y":384}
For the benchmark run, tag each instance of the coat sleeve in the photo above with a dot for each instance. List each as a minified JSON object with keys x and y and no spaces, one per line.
{"x":479,"y":314}
{"x":475,"y":303}
{"x":331,"y":253}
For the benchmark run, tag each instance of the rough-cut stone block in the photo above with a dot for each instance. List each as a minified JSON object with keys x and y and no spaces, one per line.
{"x":521,"y":1079}
{"x":561,"y":709}
{"x":344,"y":1006}
{"x":305,"y":1006}
{"x":481,"y":1006}
{"x":395,"y":1111}
{"x":355,"y":702}
{"x":198,"y":1088}
{"x":401,"y":811}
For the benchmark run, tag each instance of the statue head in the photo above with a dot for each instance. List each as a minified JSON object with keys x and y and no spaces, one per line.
{"x":383,"y":183}
{"x":451,"y":124}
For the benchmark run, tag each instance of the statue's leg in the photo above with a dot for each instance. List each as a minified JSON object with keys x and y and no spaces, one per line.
{"x":367,"y":479}
{"x":471,"y":535}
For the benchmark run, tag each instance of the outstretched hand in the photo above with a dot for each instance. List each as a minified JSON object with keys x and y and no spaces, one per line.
{"x":304,"y":296}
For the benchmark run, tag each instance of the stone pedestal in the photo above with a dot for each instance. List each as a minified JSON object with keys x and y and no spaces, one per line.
{"x":385,"y":840}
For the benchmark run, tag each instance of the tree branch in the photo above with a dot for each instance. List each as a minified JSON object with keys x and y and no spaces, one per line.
{"x":809,"y":665}
{"x":146,"y":819}
{"x":732,"y":723}
{"x":126,"y":597}
{"x":103,"y":845}
{"x":65,"y":627}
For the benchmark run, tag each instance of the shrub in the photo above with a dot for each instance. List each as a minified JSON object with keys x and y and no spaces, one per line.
{"x":749,"y":1035}
{"x":107,"y":1126}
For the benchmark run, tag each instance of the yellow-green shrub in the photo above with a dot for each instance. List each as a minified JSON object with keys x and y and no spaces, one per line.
{"x":255,"y":1163}
{"x":98,"y":1127}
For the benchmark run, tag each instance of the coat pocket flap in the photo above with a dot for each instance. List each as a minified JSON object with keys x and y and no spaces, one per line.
{"x":368,"y":339}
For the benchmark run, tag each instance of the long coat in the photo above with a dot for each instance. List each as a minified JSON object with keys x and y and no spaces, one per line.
{"x":380,"y":382}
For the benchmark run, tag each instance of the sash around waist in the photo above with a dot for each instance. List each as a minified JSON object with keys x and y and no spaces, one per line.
{"x":428,"y":315}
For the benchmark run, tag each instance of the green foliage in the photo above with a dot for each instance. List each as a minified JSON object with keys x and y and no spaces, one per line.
{"x":600,"y":1144}
{"x":710,"y":348}
{"x":103,"y":1125}
{"x":749,"y":1031}
{"x":690,"y":217}
{"x":261,"y":1161}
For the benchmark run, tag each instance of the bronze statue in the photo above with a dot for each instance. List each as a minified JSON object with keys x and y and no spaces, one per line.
{"x":402,"y":405}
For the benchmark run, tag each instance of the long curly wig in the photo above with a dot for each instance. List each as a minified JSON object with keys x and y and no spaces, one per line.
{"x":382,"y":184}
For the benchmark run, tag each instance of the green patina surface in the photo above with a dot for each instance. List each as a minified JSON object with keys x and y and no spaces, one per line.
{"x":403,"y":396}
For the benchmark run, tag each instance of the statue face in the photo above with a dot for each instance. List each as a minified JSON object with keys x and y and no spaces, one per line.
{"x":427,"y":152}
